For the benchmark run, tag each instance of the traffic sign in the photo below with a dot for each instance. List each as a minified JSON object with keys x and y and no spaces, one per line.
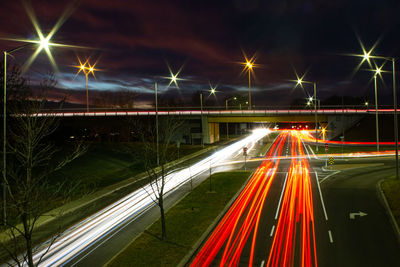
{"x":331,"y":161}
{"x":326,"y":147}
{"x":244,"y":151}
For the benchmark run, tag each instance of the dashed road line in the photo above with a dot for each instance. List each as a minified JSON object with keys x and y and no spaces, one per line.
{"x":330,"y":236}
{"x":272,"y":230}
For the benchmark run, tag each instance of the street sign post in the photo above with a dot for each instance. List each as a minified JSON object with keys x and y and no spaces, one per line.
{"x":245,"y":156}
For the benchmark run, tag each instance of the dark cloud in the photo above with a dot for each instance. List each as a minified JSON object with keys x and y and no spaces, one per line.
{"x":135,"y":39}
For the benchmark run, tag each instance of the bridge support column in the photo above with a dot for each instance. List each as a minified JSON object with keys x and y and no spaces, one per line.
{"x":210,"y":131}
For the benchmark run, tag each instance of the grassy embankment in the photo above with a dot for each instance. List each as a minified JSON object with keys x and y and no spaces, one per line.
{"x":185,"y":223}
{"x":391,"y":188}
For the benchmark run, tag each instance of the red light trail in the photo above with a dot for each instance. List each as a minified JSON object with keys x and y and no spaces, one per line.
{"x":295,"y":225}
{"x":296,"y":214}
{"x":306,"y":135}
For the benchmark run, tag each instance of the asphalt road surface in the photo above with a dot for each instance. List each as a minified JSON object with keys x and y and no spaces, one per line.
{"x":284,"y":217}
{"x":100,"y":251}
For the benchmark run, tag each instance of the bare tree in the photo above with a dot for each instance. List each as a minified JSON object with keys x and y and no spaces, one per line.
{"x":31,"y":160}
{"x":157,"y":175}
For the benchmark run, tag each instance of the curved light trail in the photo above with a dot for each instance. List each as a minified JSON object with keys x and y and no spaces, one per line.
{"x":81,"y":236}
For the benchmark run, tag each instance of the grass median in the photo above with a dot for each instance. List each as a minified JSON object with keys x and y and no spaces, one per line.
{"x":391,"y":188}
{"x":185,"y":223}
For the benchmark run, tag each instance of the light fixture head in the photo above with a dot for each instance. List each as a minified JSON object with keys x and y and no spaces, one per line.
{"x":366,"y":55}
{"x":44,"y":43}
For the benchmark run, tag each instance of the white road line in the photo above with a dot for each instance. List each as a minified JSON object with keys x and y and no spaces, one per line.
{"x":320,"y":195}
{"x":272,"y":230}
{"x":312,"y":152}
{"x":305,"y":147}
{"x":280,"y":198}
{"x":330,"y":236}
{"x":262,"y":263}
{"x":326,"y":177}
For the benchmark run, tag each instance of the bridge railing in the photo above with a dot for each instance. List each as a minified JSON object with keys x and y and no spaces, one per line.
{"x":257,"y":112}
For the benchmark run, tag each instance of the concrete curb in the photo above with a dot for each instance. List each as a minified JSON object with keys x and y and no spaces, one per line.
{"x":98,"y":195}
{"x":383,"y":198}
{"x":206,"y":233}
{"x":151,"y":224}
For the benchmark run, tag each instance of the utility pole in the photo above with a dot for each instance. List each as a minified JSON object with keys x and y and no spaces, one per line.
{"x":157,"y":147}
{"x":201,"y":118}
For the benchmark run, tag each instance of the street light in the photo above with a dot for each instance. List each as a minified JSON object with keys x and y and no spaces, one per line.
{"x":42,"y":43}
{"x":173,"y":79}
{"x":248,"y":66}
{"x":366,"y":56}
{"x":300,"y":82}
{"x":87,"y":69}
{"x":377,"y":72}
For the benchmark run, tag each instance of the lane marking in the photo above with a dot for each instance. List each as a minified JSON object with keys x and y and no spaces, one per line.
{"x":312,"y":151}
{"x":272,"y":230}
{"x":320,"y":195}
{"x":326,"y":177}
{"x":262,"y":263}
{"x":330,"y":236}
{"x":280,"y":198}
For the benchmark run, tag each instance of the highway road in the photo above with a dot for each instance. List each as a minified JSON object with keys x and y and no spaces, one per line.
{"x":93,"y":241}
{"x":284,"y":217}
{"x":367,"y":240}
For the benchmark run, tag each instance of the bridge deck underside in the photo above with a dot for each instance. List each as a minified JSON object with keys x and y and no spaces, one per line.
{"x":296,"y":118}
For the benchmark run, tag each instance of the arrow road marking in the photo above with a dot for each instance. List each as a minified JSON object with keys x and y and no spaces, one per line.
{"x":354,"y":214}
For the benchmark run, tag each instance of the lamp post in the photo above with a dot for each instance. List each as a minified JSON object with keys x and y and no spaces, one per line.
{"x":87,"y":69}
{"x":300,"y":82}
{"x":43,"y":44}
{"x":173,"y":79}
{"x":249,"y":65}
{"x":157,"y":145}
{"x":366,"y":57}
{"x":201,"y":118}
{"x":376,"y":115}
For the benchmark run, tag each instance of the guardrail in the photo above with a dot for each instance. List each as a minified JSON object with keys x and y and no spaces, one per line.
{"x":266,"y":112}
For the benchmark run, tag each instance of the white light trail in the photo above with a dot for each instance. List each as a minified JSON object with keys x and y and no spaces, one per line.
{"x":84,"y":234}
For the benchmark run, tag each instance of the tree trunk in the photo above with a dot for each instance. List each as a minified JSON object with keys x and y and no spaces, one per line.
{"x":163,"y":229}
{"x":28,"y":240}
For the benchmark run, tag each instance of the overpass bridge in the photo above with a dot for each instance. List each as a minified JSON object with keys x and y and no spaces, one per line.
{"x":206,"y":124}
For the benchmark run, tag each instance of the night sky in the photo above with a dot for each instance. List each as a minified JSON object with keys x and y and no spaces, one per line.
{"x":134,"y":41}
